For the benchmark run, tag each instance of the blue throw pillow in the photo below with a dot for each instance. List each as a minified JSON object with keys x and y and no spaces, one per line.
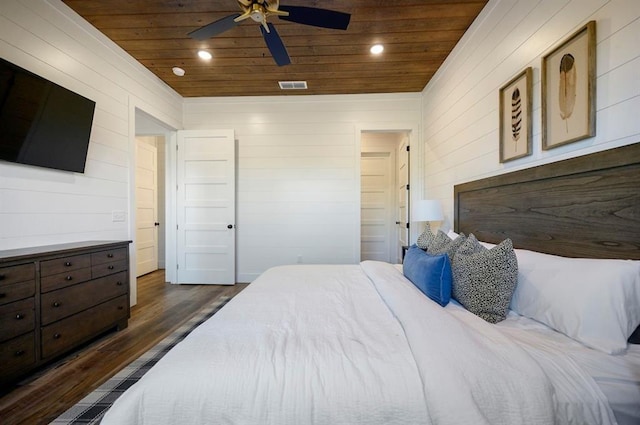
{"x":430,"y":273}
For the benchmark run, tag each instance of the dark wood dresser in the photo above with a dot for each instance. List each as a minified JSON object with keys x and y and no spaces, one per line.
{"x":54,"y":298}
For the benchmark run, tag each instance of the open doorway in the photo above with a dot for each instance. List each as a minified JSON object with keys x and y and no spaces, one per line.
{"x":150,"y":189}
{"x":384,"y":191}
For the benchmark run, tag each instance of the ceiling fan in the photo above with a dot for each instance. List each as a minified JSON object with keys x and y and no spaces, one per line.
{"x":260,"y":10}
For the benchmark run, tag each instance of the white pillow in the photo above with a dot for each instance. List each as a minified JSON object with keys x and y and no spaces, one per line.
{"x":594,"y":301}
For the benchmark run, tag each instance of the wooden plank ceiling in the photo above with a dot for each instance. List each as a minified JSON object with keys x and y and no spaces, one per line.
{"x":417,"y":36}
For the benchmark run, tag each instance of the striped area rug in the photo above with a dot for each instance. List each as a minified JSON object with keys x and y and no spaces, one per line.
{"x":90,"y":409}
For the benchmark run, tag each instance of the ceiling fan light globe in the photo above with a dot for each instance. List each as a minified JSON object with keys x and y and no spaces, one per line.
{"x":257,"y":16}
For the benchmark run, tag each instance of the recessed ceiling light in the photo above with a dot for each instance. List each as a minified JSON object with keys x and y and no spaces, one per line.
{"x":376,"y":49}
{"x":178,"y":71}
{"x":203,"y":54}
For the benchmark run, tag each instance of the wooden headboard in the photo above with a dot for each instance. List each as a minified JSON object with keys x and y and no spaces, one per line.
{"x":587,"y":206}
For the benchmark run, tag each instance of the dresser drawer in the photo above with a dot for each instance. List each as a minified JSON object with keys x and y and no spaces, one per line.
{"x":65,"y":264}
{"x":16,"y":318}
{"x":17,"y":291}
{"x":14,"y":274}
{"x":109,"y":256}
{"x":64,"y":302}
{"x":61,"y":280}
{"x":17,"y":355}
{"x":67,"y":333}
{"x":109,"y":268}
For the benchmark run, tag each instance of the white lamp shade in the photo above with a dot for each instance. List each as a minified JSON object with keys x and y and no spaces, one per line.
{"x":427,"y":210}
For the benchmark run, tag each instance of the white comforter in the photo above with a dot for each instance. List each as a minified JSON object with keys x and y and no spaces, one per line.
{"x":342,"y":345}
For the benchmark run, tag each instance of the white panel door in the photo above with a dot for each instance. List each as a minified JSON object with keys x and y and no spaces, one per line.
{"x":146,"y":208}
{"x":206,"y":207}
{"x":403,"y":196}
{"x":376,"y":206}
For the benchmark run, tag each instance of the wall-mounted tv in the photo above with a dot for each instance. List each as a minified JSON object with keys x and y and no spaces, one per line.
{"x":42,"y":123}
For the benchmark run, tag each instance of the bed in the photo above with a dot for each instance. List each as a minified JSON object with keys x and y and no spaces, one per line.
{"x":362,"y":344}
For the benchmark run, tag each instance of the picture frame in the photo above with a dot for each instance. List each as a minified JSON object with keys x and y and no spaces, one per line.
{"x":515,"y":117}
{"x":568,"y":78}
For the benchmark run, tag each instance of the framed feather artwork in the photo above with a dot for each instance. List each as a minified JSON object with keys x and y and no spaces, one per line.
{"x":569,"y":89}
{"x":515,"y":117}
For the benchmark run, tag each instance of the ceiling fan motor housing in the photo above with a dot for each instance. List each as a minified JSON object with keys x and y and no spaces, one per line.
{"x":258,"y":14}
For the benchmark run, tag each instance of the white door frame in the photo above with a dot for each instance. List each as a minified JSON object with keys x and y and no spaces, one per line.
{"x":166,"y":126}
{"x":401,"y":191}
{"x":416,"y":166}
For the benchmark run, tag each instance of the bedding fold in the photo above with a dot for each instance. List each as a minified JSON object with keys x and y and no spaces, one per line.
{"x":474,"y":376}
{"x":579,"y":398}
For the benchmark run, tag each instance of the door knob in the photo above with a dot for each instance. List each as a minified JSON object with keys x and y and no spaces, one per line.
{"x":230,"y":226}
{"x":156,"y":224}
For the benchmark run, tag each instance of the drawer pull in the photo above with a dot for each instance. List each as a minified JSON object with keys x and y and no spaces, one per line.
{"x":1,"y":277}
{"x":56,"y":304}
{"x":69,"y":278}
{"x":56,"y":336}
{"x":19,"y":316}
{"x":19,"y":353}
{"x":120,"y":307}
{"x":68,"y":264}
{"x":110,"y":267}
{"x":119,"y":283}
{"x":3,"y":295}
{"x":110,"y":255}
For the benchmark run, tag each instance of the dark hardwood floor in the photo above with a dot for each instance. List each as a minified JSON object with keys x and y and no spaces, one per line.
{"x":161,"y":308}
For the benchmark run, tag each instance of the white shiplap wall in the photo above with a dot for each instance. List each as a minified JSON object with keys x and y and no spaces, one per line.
{"x":40,"y":206}
{"x":460,"y":104}
{"x":298,"y":181}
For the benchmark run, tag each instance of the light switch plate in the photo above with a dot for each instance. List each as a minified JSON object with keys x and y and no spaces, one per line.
{"x":118,"y":216}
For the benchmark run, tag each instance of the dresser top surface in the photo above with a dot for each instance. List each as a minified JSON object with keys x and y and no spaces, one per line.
{"x":12,"y":255}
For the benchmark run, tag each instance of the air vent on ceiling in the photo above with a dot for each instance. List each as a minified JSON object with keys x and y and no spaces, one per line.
{"x":293,"y":85}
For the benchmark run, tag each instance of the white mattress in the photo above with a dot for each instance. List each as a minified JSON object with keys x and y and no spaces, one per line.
{"x":357,"y":344}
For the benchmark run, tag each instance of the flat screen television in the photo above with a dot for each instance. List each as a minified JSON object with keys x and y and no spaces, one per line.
{"x":42,"y":123}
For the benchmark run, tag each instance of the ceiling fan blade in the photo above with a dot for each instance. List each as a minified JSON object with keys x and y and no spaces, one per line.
{"x":215,"y":28}
{"x":324,"y":18}
{"x":275,"y":45}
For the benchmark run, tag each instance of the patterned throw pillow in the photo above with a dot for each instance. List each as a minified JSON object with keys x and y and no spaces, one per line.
{"x":443,"y":244}
{"x":425,"y":239}
{"x":484,"y":279}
